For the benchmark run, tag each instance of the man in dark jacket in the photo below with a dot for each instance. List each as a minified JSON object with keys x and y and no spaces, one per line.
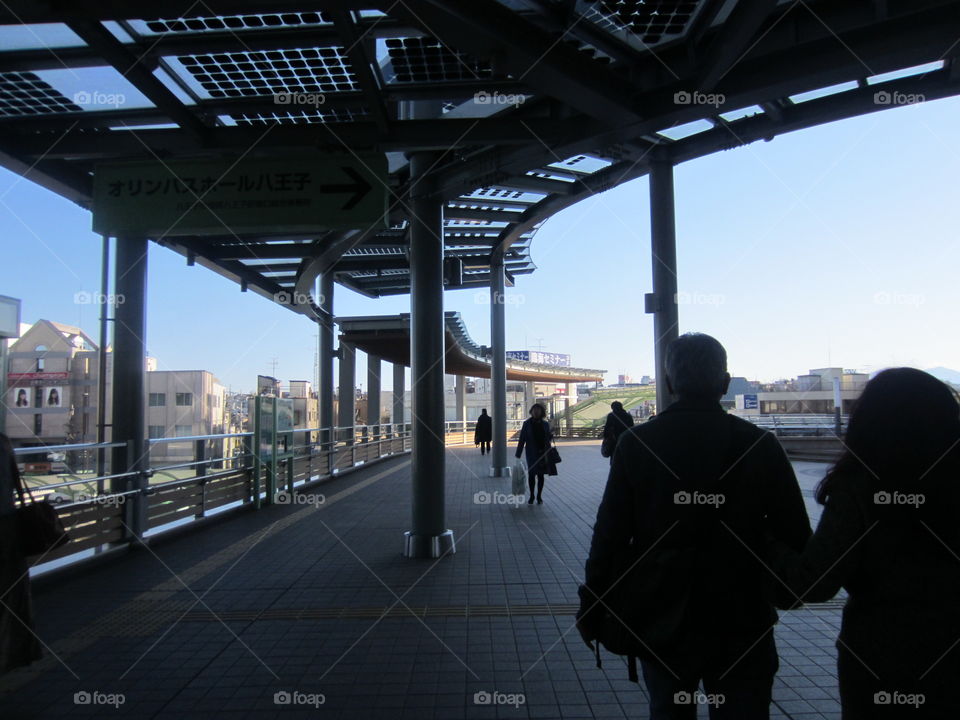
{"x":618,"y":420}
{"x":484,"y":432}
{"x":689,"y":501}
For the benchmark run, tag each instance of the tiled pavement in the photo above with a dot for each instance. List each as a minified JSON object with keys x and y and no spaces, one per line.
{"x":292,"y":599}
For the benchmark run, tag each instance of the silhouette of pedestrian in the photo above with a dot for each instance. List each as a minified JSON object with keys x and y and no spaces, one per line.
{"x":889,"y":536}
{"x":484,"y":432}
{"x":674,"y":576}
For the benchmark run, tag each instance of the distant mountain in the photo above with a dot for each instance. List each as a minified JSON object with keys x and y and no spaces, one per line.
{"x":946,"y":374}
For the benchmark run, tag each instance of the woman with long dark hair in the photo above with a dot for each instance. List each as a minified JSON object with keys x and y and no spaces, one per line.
{"x":890,"y":536}
{"x":535,"y":437}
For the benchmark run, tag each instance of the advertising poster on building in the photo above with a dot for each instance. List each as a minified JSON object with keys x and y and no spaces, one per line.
{"x":53,"y":396}
{"x":19,"y":397}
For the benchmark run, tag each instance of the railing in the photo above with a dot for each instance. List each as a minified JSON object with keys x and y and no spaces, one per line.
{"x":219,"y":474}
{"x":799,"y":424}
{"x":793,"y":425}
{"x":201,"y":476}
{"x":460,"y":432}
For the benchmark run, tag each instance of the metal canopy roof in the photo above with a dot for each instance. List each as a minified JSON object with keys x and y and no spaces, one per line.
{"x":527,"y":105}
{"x":388,"y":337}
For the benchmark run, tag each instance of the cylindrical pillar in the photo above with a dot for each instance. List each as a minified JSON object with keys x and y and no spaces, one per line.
{"x":460,"y":392}
{"x":428,"y":536}
{"x":373,"y":394}
{"x":663,"y":241}
{"x":325,"y":361}
{"x":498,"y":368}
{"x":129,"y":378}
{"x":102,"y":360}
{"x":399,"y":389}
{"x":348,"y":391}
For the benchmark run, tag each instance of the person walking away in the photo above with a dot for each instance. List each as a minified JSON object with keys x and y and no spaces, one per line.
{"x":618,"y":420}
{"x":889,"y":536}
{"x":679,"y":534}
{"x":534,"y":442}
{"x":18,"y":644}
{"x":484,"y":432}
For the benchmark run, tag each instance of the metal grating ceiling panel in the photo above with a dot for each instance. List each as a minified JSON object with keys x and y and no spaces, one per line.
{"x":273,"y":72}
{"x":23,"y":93}
{"x":233,"y":23}
{"x":281,"y":117}
{"x":650,"y":20}
{"x":427,"y":60}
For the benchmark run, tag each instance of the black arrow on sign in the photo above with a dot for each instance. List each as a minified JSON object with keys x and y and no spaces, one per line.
{"x":359,"y":187}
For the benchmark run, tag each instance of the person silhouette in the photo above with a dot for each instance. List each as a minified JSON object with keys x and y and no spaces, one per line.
{"x":484,"y":432}
{"x":889,"y":536}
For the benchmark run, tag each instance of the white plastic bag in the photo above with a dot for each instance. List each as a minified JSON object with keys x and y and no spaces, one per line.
{"x":519,"y":475}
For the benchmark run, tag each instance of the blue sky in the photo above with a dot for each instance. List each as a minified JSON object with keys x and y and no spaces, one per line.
{"x":836,"y":245}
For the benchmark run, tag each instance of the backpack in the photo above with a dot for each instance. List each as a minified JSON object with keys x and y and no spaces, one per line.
{"x":643,"y":612}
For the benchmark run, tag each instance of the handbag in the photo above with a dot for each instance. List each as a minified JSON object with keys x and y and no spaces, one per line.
{"x":39,"y":528}
{"x":553,"y":455}
{"x":608,"y":445}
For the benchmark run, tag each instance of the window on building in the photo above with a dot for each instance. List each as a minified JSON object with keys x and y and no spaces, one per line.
{"x":183,"y":430}
{"x":209,"y":401}
{"x":184,"y":399}
{"x":38,"y":424}
{"x":155,"y":431}
{"x":38,"y":397}
{"x":41,"y":361}
{"x":158,"y":399}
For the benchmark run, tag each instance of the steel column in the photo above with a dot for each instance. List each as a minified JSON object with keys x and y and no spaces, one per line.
{"x":399,"y":388}
{"x":373,"y":394}
{"x":460,"y":394}
{"x":663,"y":301}
{"x":428,"y":536}
{"x":129,"y":378}
{"x":346,"y":417}
{"x":325,"y":361}
{"x":498,"y":367}
{"x":102,"y":360}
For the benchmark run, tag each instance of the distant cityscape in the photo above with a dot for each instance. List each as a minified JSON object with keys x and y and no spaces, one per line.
{"x":53,"y":396}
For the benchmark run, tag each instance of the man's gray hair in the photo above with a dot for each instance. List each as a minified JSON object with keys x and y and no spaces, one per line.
{"x":696,"y":365}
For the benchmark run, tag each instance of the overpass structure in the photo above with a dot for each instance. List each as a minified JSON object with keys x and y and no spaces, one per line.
{"x":437,"y":137}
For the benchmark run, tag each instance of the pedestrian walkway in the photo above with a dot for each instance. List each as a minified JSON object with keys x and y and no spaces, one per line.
{"x":308,"y":610}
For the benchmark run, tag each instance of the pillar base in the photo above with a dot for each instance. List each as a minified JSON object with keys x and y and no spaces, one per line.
{"x":500,"y":472}
{"x":428,"y":546}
